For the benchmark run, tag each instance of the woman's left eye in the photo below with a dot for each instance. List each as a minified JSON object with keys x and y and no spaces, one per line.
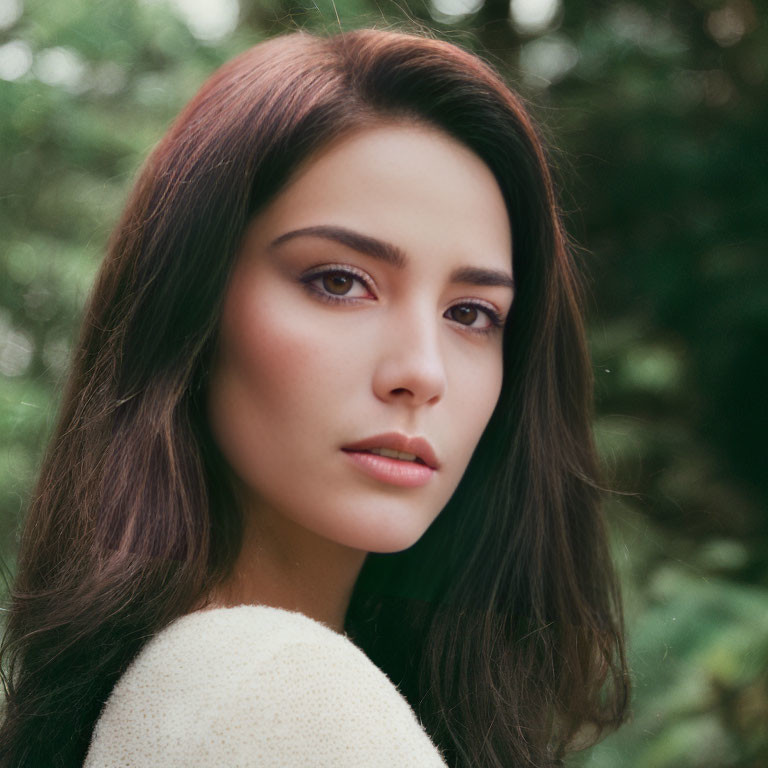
{"x":469,"y":315}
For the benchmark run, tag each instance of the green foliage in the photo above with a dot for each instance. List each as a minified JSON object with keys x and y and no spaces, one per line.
{"x":659,"y":113}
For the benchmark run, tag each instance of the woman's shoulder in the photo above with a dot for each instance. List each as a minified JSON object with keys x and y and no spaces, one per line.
{"x":255,"y":685}
{"x":228,"y":646}
{"x":224,"y":638}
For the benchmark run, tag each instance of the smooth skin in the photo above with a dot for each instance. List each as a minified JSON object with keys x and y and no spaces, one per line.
{"x":397,"y":348}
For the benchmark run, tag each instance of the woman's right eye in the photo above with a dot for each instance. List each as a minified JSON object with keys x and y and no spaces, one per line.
{"x":337,"y":285}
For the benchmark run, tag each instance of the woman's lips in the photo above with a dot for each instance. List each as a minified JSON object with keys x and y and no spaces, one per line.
{"x":396,"y":441}
{"x":408,"y":474}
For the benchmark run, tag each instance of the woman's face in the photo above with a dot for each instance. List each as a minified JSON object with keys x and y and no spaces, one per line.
{"x":367,"y":299}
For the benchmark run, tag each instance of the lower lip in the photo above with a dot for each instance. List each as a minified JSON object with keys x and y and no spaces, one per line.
{"x":408,"y":474}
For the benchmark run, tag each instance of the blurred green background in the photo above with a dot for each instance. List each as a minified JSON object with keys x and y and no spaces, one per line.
{"x":659,"y":113}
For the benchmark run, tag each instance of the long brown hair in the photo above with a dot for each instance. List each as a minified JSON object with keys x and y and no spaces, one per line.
{"x":502,"y":625}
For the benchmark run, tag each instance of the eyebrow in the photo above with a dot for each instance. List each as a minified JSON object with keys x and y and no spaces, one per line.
{"x":394,"y":256}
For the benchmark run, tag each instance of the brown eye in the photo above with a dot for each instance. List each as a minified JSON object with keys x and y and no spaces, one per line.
{"x":337,"y":283}
{"x":464,"y":314}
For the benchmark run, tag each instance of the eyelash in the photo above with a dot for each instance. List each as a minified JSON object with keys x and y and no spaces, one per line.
{"x":496,"y":321}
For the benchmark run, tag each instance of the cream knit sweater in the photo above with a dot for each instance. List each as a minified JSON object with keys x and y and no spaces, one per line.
{"x":256,"y":687}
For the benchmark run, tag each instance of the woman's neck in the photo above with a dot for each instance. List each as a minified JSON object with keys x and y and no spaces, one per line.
{"x":284,"y":565}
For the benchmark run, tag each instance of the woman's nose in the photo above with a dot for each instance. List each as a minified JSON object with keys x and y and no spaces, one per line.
{"x":410,"y":368}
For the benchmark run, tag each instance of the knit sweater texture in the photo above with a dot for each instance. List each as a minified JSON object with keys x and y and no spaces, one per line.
{"x":255,"y":686}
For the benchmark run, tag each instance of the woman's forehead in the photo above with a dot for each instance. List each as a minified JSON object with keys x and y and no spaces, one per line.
{"x":412,"y":186}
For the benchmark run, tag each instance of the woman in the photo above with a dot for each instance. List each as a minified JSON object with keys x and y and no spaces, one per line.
{"x":343,"y":247}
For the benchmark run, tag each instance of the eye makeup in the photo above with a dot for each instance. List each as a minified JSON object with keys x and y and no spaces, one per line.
{"x":317,"y":273}
{"x":311,"y":279}
{"x":495,"y":321}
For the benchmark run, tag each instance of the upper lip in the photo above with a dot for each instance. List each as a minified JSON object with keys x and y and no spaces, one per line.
{"x":418,"y":446}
